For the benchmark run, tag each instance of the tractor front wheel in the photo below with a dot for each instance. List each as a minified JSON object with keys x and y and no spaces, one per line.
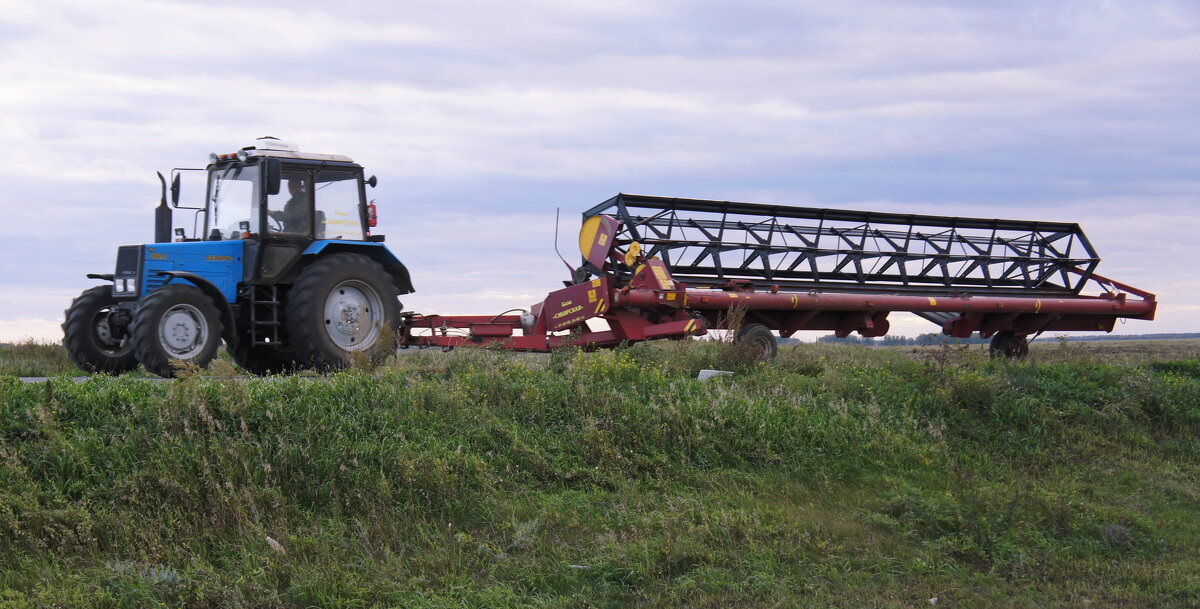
{"x":340,"y":305}
{"x":90,"y":340}
{"x":176,"y":324}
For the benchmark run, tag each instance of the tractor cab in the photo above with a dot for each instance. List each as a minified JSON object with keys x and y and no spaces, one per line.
{"x":281,"y":201}
{"x":272,"y":189}
{"x":270,"y":193}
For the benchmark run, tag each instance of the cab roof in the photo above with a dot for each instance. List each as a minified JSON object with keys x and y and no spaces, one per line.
{"x":272,"y":147}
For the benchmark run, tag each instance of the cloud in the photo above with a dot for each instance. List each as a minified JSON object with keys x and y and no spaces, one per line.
{"x":480,"y":120}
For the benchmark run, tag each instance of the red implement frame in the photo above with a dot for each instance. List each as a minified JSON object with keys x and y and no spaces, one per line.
{"x":646,"y":302}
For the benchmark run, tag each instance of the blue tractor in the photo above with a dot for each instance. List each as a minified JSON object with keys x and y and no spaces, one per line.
{"x":280,"y":264}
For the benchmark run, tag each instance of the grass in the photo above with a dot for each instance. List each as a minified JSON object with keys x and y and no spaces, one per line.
{"x":831,"y":477}
{"x":35,"y":359}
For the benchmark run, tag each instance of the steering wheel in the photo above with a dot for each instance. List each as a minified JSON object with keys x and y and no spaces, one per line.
{"x":274,"y":225}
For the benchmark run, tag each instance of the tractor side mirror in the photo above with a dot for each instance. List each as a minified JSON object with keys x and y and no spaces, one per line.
{"x":371,"y":181}
{"x":274,"y":176}
{"x":175,"y":191}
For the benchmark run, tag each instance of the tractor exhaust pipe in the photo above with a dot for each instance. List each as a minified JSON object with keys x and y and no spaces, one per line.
{"x":162,"y":215}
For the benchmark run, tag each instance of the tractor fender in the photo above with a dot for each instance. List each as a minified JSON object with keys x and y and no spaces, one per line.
{"x":210,"y":290}
{"x":375,"y":251}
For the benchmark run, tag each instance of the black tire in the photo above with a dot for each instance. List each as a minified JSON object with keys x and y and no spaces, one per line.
{"x":262,"y":360}
{"x":1008,"y":345}
{"x":760,"y":338}
{"x":176,"y":323}
{"x":88,"y":339}
{"x":326,"y":308}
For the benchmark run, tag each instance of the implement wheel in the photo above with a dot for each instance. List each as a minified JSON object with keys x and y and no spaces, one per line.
{"x":1008,"y":345}
{"x":88,"y":337}
{"x":340,"y":305}
{"x":760,"y":338}
{"x":176,"y":322}
{"x":262,"y":360}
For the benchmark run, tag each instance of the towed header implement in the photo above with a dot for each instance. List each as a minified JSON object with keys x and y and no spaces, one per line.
{"x":657,"y":267}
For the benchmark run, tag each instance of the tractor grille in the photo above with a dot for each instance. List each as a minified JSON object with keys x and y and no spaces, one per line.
{"x":153,"y":282}
{"x":129,"y":261}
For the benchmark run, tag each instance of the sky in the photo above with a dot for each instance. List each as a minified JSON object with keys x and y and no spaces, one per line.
{"x":481,"y":119}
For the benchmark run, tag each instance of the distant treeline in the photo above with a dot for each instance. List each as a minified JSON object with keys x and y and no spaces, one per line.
{"x":934,"y":338}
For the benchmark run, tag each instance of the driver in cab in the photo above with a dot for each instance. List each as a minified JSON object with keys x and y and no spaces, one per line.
{"x":293,"y":218}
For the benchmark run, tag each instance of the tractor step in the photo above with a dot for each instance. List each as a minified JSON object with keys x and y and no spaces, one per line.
{"x":264,"y":315}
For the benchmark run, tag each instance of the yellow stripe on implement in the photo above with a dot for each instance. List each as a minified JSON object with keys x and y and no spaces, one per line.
{"x":660,"y":274}
{"x":599,"y":307}
{"x":932,"y":301}
{"x":691,"y":325}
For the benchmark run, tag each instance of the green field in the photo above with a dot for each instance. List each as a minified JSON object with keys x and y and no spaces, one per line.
{"x":831,"y":477}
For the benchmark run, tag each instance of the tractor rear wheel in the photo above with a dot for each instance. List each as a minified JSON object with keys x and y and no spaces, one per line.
{"x":340,"y":305}
{"x":760,"y":338}
{"x":262,"y":360}
{"x":176,"y":323}
{"x":88,"y":337}
{"x":1008,"y":345}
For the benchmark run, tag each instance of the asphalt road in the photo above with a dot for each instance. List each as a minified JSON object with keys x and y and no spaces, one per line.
{"x":80,"y":379}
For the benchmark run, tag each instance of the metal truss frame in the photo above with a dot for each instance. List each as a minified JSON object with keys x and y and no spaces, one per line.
{"x":713,"y":243}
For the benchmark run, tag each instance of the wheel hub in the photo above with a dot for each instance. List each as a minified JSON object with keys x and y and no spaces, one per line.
{"x":347,"y":316}
{"x":103,"y":332}
{"x":105,"y":340}
{"x":183,"y":331}
{"x":352,"y":315}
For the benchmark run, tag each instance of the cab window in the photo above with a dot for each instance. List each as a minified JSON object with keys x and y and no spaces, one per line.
{"x":287,"y":211}
{"x":337,"y":207}
{"x":233,"y":197}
